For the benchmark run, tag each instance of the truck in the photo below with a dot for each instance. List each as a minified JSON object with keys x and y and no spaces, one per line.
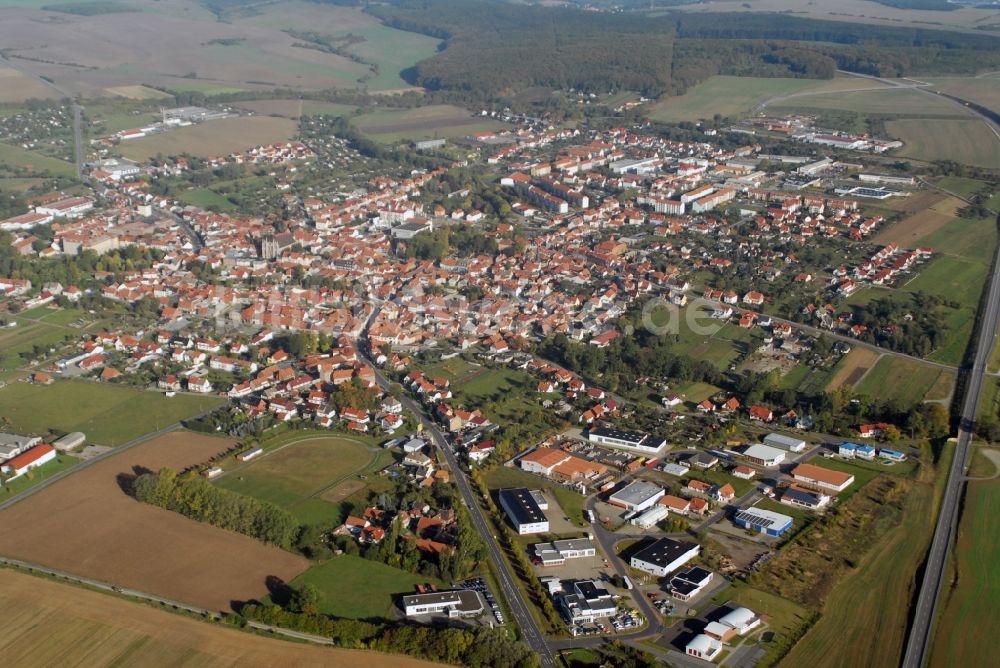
{"x":628,"y":583}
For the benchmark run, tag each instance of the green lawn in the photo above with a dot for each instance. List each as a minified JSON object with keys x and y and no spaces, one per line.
{"x":904,"y":380}
{"x":960,"y":185}
{"x":205,"y":198}
{"x":570,"y":502}
{"x":107,"y":414}
{"x":37,"y":475}
{"x":455,"y":370}
{"x":719,"y":477}
{"x":434,"y":121}
{"x":309,"y":476}
{"x":357,"y":588}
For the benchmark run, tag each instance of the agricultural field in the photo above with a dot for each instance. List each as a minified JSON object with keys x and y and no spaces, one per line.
{"x":911,"y":230}
{"x":853,"y":367}
{"x":86,"y":524}
{"x":430,"y":122}
{"x":294,"y":108}
{"x":107,"y":414}
{"x":357,"y":588}
{"x":904,"y":380}
{"x":968,"y":623}
{"x":138,"y":92}
{"x":211,"y":138}
{"x":967,"y":141}
{"x":35,"y":162}
{"x":961,"y":186}
{"x":15,"y":86}
{"x":725,"y":95}
{"x":311,"y":476}
{"x":55,"y":624}
{"x":983,"y":89}
{"x":893,"y":101}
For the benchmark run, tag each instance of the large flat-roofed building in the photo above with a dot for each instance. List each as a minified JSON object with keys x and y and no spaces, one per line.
{"x":664,"y":556}
{"x":588,"y":600}
{"x":630,"y":440}
{"x":559,"y":551}
{"x":787,"y":443}
{"x":523,"y":511}
{"x":637,"y":496}
{"x":763,"y":455}
{"x":11,"y":445}
{"x":763,"y":521}
{"x":818,"y":476}
{"x":457,"y":603}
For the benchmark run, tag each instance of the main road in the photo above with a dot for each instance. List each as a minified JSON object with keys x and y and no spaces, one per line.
{"x":532,"y":635}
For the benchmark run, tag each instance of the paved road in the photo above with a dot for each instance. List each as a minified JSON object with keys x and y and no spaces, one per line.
{"x":532,"y":635}
{"x":34,"y":489}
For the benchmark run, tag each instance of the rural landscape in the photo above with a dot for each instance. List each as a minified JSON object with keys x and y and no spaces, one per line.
{"x":499,"y":334}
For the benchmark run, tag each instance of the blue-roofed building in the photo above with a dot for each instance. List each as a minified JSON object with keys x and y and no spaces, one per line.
{"x":892,"y":455}
{"x":866,"y":452}
{"x":847,"y":450}
{"x":763,"y":521}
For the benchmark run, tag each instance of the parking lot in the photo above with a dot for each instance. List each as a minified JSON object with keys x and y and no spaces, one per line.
{"x":479,"y":584}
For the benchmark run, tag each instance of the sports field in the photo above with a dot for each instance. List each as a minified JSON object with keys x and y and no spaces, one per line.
{"x":107,"y":414}
{"x":54,"y":624}
{"x":311,"y":476}
{"x":968,"y":624}
{"x":967,"y":141}
{"x":906,"y":381}
{"x":433,"y":121}
{"x":212,"y":138}
{"x":357,"y":588}
{"x":86,"y":524}
{"x":725,"y":95}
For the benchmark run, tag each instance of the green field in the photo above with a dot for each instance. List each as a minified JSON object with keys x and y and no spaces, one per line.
{"x":434,"y":121}
{"x":310,"y":476}
{"x":207,"y":198}
{"x":960,"y":185}
{"x":889,"y":101}
{"x":35,"y":162}
{"x":107,"y":414}
{"x":966,"y":141}
{"x":571,"y":503}
{"x":393,"y":51}
{"x":455,"y":370}
{"x":904,"y":380}
{"x":725,"y":95}
{"x":969,"y":622}
{"x":722,"y":346}
{"x":358,"y":588}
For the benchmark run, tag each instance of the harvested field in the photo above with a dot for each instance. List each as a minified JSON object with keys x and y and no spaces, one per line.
{"x":440,"y":120}
{"x":16,"y":86}
{"x":904,"y":380}
{"x":137,"y":92}
{"x":909,"y":231}
{"x":292,"y":108}
{"x":87,"y":525}
{"x":964,"y":140}
{"x":54,"y":624}
{"x":212,"y":138}
{"x":853,"y":367}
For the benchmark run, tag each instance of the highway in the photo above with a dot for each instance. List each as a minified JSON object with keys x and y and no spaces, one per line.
{"x":530,"y":632}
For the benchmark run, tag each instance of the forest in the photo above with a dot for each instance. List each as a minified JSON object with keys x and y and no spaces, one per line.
{"x":494,"y":48}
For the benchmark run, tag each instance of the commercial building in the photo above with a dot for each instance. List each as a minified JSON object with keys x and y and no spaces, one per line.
{"x":763,"y":455}
{"x":734,"y":623}
{"x":826,"y":479}
{"x":559,"y":551}
{"x":687,"y":584}
{"x":630,"y":440}
{"x":664,"y":556}
{"x":11,"y":445}
{"x":763,"y":521}
{"x":586,"y":601}
{"x":787,"y":443}
{"x":650,"y":517}
{"x":457,"y":603}
{"x":69,"y":441}
{"x":803,"y":498}
{"x":637,"y":496}
{"x":523,"y":511}
{"x":892,"y":455}
{"x":24,"y":462}
{"x":703,"y":647}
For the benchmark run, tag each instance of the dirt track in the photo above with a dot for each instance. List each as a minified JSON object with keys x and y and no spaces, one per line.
{"x":87,"y":525}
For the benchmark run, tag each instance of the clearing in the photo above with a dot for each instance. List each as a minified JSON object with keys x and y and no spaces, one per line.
{"x":305,"y":474}
{"x":86,"y":524}
{"x":853,"y":367}
{"x":967,"y":141}
{"x":357,"y":588}
{"x":55,"y":624}
{"x":212,"y":138}
{"x":107,"y":414}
